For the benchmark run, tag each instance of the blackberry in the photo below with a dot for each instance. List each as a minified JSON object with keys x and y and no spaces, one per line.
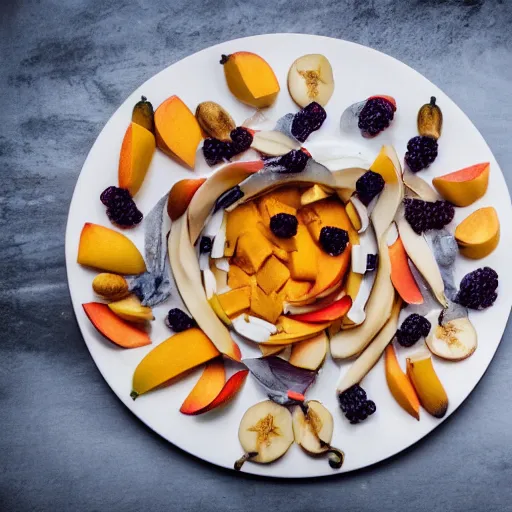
{"x":205,"y":245}
{"x":308,"y":120}
{"x":284,"y":225}
{"x":293,"y":162}
{"x":478,"y":289}
{"x":121,"y":208}
{"x":242,"y":139}
{"x":425,"y":215}
{"x":355,"y":405}
{"x":375,"y":116}
{"x":421,"y":152}
{"x":228,"y":198}
{"x":178,"y":320}
{"x":368,"y":186}
{"x":412,"y":329}
{"x":216,"y":151}
{"x":333,"y":240}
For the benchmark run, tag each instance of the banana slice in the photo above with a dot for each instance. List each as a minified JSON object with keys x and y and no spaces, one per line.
{"x":313,"y":430}
{"x":455,"y":340}
{"x":265,"y":433}
{"x":310,"y":79}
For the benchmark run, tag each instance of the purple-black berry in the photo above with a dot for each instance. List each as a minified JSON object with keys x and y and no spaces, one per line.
{"x":308,"y":120}
{"x":333,"y":240}
{"x":121,"y":208}
{"x":375,"y":116}
{"x":478,"y":289}
{"x":284,"y":225}
{"x":369,"y":185}
{"x":412,"y":329}
{"x":179,"y":321}
{"x":421,"y":152}
{"x":424,"y":215}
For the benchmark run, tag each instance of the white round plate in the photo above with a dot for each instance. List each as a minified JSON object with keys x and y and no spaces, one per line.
{"x":359,"y":73}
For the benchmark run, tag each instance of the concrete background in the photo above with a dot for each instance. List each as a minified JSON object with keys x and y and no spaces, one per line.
{"x":66,"y":442}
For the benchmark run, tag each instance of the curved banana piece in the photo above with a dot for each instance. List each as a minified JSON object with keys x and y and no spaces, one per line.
{"x":418,"y":186}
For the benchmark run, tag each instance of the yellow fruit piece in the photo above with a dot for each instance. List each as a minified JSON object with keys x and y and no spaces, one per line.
{"x":251,"y":252}
{"x":281,"y":254}
{"x":292,"y":290}
{"x":251,"y":79}
{"x":464,"y":187}
{"x":286,"y":244}
{"x":132,"y":310}
{"x":303,"y":261}
{"x":137,"y":151}
{"x":106,"y":249}
{"x":291,"y":331}
{"x":268,"y":307}
{"x":328,"y":212}
{"x":353,"y":216}
{"x":235,"y":301}
{"x":171,"y":358}
{"x":238,"y":278}
{"x":270,"y":350}
{"x":178,"y":133}
{"x":270,"y":206}
{"x":290,"y":196}
{"x":478,"y":235}
{"x":384,"y":166}
{"x":272,"y":275}
{"x":242,"y":219}
{"x":313,"y":194}
{"x":217,"y":309}
{"x":430,"y":391}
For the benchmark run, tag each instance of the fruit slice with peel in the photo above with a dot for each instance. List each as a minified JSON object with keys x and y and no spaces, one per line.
{"x":114,"y":328}
{"x":313,"y":430}
{"x":136,"y":154}
{"x":106,"y":249}
{"x":431,"y":393}
{"x":290,"y":331}
{"x":228,"y":392}
{"x":180,"y":196}
{"x":454,"y":340}
{"x":418,"y":187}
{"x":479,"y":233}
{"x":464,"y":187}
{"x":332,"y":312}
{"x":265,"y":433}
{"x":273,"y":143}
{"x":187,"y":275}
{"x":401,"y":274}
{"x":310,"y":79}
{"x":217,"y":309}
{"x":310,"y":354}
{"x":208,"y":387}
{"x":422,"y":256}
{"x":250,"y":79}
{"x":399,"y":384}
{"x":378,"y":309}
{"x":178,"y":133}
{"x":367,"y":360}
{"x":172,"y":357}
{"x":204,"y":200}
{"x":132,"y":310}
{"x":253,"y":328}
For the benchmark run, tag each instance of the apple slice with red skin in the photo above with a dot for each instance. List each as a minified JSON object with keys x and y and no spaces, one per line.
{"x":401,"y":274}
{"x":230,"y":389}
{"x":115,"y":329}
{"x":328,"y":314}
{"x":207,"y":388}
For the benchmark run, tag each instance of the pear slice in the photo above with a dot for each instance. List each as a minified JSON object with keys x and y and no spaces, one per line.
{"x":421,"y":255}
{"x":350,"y":342}
{"x":454,"y":340}
{"x":362,"y":212}
{"x":273,"y":143}
{"x":253,"y":328}
{"x":418,"y":187}
{"x":346,"y":181}
{"x":310,"y":79}
{"x":265,"y":433}
{"x":186,"y":272}
{"x":313,"y":430}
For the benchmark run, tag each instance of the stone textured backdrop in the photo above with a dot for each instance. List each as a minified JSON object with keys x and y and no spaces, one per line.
{"x":66,"y":441}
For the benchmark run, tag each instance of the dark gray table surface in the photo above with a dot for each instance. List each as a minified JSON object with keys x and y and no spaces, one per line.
{"x":66,"y":441}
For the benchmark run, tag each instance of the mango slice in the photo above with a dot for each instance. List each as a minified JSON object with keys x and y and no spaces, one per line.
{"x":268,"y":307}
{"x":132,"y":310}
{"x":401,"y":274}
{"x":251,"y":252}
{"x":106,"y":249}
{"x":292,"y":331}
{"x":172,"y":357}
{"x":303,"y":262}
{"x":180,"y":196}
{"x":238,"y":278}
{"x":272,"y":275}
{"x":235,"y":301}
{"x":240,"y":220}
{"x":479,"y":233}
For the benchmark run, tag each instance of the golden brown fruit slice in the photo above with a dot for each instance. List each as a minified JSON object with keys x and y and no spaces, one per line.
{"x":187,"y":275}
{"x":178,"y":133}
{"x":455,"y":340}
{"x":430,"y":120}
{"x":106,"y":249}
{"x":313,"y":194}
{"x":313,"y":431}
{"x":310,"y":354}
{"x":479,"y":234}
{"x":136,"y":154}
{"x":215,"y":120}
{"x":265,"y":432}
{"x":132,"y":310}
{"x":430,"y":391}
{"x":143,"y":114}
{"x":250,"y":79}
{"x":399,"y":384}
{"x":172,"y":357}
{"x":310,"y":79}
{"x":110,"y":286}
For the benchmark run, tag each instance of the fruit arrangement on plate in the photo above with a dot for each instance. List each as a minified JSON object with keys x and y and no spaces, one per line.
{"x":296,"y":248}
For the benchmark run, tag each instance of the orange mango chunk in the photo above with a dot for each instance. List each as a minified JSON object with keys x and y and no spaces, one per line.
{"x":251,"y":252}
{"x":303,"y":262}
{"x":270,"y":206}
{"x":238,"y":221}
{"x":268,"y":307}
{"x":178,"y":133}
{"x":286,"y":244}
{"x":235,"y":301}
{"x":401,"y":274}
{"x":238,"y":278}
{"x":180,"y":196}
{"x":293,"y":290}
{"x":272,"y":275}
